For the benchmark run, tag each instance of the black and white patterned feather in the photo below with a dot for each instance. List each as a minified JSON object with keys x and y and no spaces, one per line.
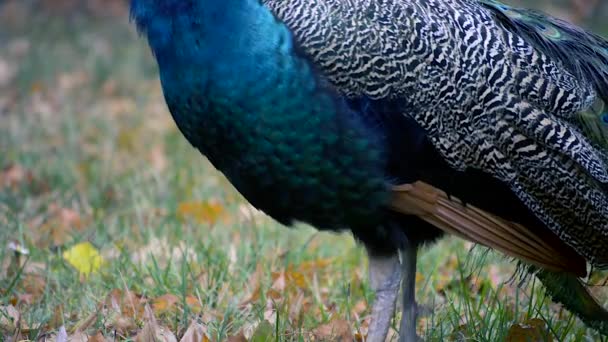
{"x":491,"y":92}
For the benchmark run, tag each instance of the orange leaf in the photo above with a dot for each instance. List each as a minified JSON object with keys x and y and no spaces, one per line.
{"x":194,"y":303}
{"x":201,"y":212}
{"x":164,"y":303}
{"x":97,"y":337}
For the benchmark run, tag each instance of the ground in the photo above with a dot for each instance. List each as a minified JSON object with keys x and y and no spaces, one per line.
{"x":114,"y":227}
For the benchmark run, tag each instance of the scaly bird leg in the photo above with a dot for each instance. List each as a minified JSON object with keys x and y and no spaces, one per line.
{"x":407,"y":331}
{"x":384,"y":274}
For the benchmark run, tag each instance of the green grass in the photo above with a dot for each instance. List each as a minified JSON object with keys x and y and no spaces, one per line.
{"x":85,"y":115}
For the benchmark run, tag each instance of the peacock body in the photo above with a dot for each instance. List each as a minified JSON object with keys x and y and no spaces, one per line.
{"x":401,"y":120}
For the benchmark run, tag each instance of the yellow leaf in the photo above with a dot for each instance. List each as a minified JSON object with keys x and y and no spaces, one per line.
{"x":84,"y":257}
{"x":201,"y":212}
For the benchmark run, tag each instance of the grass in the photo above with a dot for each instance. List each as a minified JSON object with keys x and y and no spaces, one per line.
{"x":89,"y":153}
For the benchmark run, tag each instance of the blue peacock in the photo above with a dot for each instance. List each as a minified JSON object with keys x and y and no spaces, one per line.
{"x":402,"y":120}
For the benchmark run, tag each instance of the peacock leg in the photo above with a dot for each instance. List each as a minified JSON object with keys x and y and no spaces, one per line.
{"x":384,"y":274}
{"x":407,"y":331}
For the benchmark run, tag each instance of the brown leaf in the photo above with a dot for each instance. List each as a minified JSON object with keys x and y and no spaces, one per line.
{"x":336,"y":330}
{"x":9,"y":318}
{"x":359,"y":308}
{"x":279,"y":281}
{"x":296,"y":307}
{"x":59,"y":227}
{"x":14,"y":175}
{"x":97,"y":338}
{"x":78,"y":336}
{"x":152,"y":331}
{"x":196,"y":332}
{"x":33,"y":285}
{"x":532,"y":330}
{"x":127,"y":302}
{"x":87,"y":322}
{"x":253,"y":283}
{"x":57,"y":317}
{"x":122,"y":310}
{"x":240,"y":337}
{"x":165,"y":303}
{"x":158,"y":158}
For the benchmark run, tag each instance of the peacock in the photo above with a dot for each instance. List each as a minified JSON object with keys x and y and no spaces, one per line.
{"x":401,"y":121}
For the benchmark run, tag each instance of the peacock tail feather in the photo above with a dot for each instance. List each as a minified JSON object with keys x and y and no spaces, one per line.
{"x":570,"y":291}
{"x":582,"y":53}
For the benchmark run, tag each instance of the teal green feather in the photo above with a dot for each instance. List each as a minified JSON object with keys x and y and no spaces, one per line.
{"x":582,"y":53}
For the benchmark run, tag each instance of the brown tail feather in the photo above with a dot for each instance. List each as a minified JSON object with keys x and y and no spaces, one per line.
{"x":471,"y":223}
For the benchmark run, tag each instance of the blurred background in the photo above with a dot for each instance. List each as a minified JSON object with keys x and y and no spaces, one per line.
{"x":108,"y":218}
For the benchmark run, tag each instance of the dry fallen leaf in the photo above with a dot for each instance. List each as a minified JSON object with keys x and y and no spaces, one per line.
{"x":79,"y":336}
{"x":359,"y":308}
{"x":9,"y":318}
{"x":532,"y":330}
{"x":158,"y":158}
{"x":165,"y":303}
{"x":122,"y":311}
{"x":240,"y":337}
{"x":33,"y":285}
{"x":196,"y":332}
{"x":336,"y":330}
{"x":97,"y":338}
{"x":14,"y":175}
{"x":201,"y":212}
{"x":152,"y":331}
{"x":126,"y":302}
{"x":59,"y":226}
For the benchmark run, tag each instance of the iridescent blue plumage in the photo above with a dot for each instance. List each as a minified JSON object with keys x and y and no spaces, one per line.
{"x":244,"y":97}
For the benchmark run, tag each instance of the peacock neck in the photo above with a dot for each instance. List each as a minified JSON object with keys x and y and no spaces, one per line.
{"x":244,"y":97}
